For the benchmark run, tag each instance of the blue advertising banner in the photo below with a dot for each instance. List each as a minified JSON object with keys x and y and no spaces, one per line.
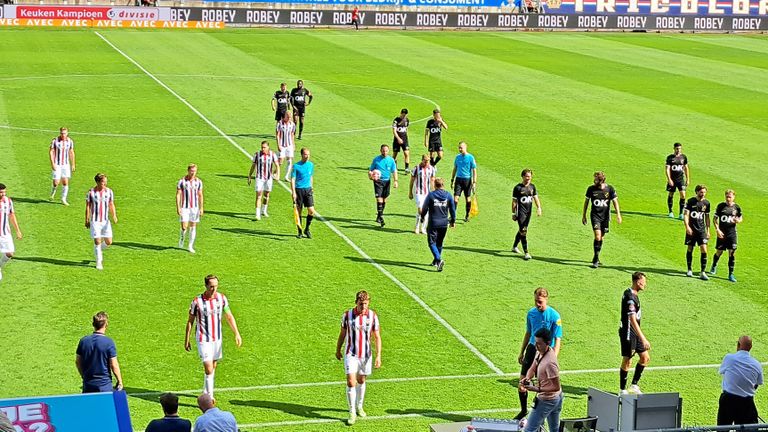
{"x":103,"y":412}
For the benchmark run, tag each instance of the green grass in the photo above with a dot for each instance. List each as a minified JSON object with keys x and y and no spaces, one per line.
{"x":562,"y":104}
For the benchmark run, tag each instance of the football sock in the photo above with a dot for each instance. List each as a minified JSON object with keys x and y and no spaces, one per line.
{"x":669,"y":203}
{"x":309,"y":222}
{"x":406,"y":166}
{"x":437,"y":159}
{"x":715,"y":259}
{"x":208,"y":384}
{"x":703,"y":262}
{"x":689,"y":259}
{"x":597,"y":245}
{"x":623,"y":379}
{"x":731,"y":264}
{"x":264,"y":209}
{"x":97,"y":252}
{"x":53,"y":190}
{"x":638,"y":373}
{"x":360,"y":394}
{"x":192,"y":235}
{"x":182,"y":236}
{"x":379,"y":209}
{"x":418,"y":220}
{"x":301,"y":127}
{"x":64,"y":192}
{"x":524,"y":241}
{"x":258,"y":212}
{"x":4,"y":259}
{"x":288,"y":170}
{"x":467,"y":207}
{"x":681,"y":205}
{"x":432,"y":161}
{"x":517,"y":240}
{"x":523,"y":401}
{"x":351,"y":398}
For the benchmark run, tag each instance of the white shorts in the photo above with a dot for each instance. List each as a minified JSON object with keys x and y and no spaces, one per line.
{"x":209,"y":351}
{"x":101,"y":230}
{"x":357,"y":366}
{"x":419,"y":200}
{"x":287,"y":152}
{"x":263,"y":185}
{"x":6,"y":244}
{"x":61,"y":171}
{"x":190,"y":215}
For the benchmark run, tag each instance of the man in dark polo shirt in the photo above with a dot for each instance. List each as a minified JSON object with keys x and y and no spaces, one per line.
{"x":171,"y":422}
{"x":96,"y":358}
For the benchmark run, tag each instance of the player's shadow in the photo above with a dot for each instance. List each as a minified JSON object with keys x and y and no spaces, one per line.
{"x":144,"y":246}
{"x":257,"y":233}
{"x":253,"y":135}
{"x":234,"y":215}
{"x":53,"y":261}
{"x":623,"y":269}
{"x":430,"y":413}
{"x":154,"y":396}
{"x":233,"y":176}
{"x":421,"y":267}
{"x":306,"y":411}
{"x":366,"y":225}
{"x":646,"y":214}
{"x":34,"y":201}
{"x":353,"y":168}
{"x":492,"y":252}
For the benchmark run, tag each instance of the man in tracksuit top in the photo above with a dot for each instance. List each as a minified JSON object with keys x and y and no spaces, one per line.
{"x":438,"y":205}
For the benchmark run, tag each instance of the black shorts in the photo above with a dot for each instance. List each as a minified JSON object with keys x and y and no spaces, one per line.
{"x":728,"y":242}
{"x":462,"y":185}
{"x":305,"y":198}
{"x":396,"y":146}
{"x":631,"y":345}
{"x":298,"y":110}
{"x":279,"y":114}
{"x":599,"y":224}
{"x":695,"y":239}
{"x":435,"y":147}
{"x":381,"y":188}
{"x":676,"y":185}
{"x":523,"y":219}
{"x":530,"y":354}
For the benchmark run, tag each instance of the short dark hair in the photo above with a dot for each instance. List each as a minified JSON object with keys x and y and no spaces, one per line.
{"x":677,"y":145}
{"x":526,"y":171}
{"x":99,"y":177}
{"x":600,"y":176}
{"x":700,"y":187}
{"x":436,"y":110}
{"x":384,"y":145}
{"x":100,"y":320}
{"x":544,"y":334}
{"x":2,"y":186}
{"x":404,"y":111}
{"x":209,"y":278}
{"x":636,"y":276}
{"x":170,"y":403}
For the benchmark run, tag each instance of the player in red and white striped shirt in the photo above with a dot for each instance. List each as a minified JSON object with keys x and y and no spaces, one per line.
{"x":99,"y":203}
{"x":7,"y":218}
{"x":266,"y":167}
{"x":285,"y":130}
{"x":423,"y":177}
{"x":207,"y":310}
{"x":62,"y":154}
{"x":189,"y":205}
{"x":358,"y":326}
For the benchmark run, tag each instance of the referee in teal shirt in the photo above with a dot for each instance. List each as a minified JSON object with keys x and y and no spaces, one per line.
{"x":302,"y":181}
{"x":387,"y":168}
{"x":464,"y":177}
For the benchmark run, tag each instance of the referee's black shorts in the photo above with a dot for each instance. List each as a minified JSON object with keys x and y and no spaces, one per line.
{"x":530,"y":354}
{"x":462,"y":185}
{"x":381,"y":188}
{"x":304,"y":197}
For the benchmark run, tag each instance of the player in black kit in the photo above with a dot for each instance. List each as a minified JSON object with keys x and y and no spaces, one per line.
{"x":678,"y":177}
{"x":601,"y":195}
{"x":523,"y":197}
{"x":280,"y":102}
{"x":631,"y":336}
{"x":301,"y":97}
{"x":400,"y":137}
{"x":696,"y":217}
{"x":432,"y":136}
{"x":727,"y":215}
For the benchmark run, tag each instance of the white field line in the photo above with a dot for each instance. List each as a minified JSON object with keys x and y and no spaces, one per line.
{"x":428,"y":378}
{"x":333,"y":228}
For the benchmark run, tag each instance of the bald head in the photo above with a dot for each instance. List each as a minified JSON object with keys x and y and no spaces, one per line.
{"x":205,"y":402}
{"x":745,"y":343}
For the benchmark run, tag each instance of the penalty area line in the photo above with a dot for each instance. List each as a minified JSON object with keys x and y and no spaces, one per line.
{"x":330,"y":225}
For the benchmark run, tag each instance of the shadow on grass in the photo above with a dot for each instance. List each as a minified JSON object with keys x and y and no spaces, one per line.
{"x":247,"y":216}
{"x":257,"y":233}
{"x":492,"y":252}
{"x":366,"y":224}
{"x":353,"y":168}
{"x":233,"y":176}
{"x":54,"y":261}
{"x":306,"y":411}
{"x":144,"y":246}
{"x":422,"y":267}
{"x":34,"y":201}
{"x":431,"y":414}
{"x":645,"y":214}
{"x":253,"y":135}
{"x":623,"y":269}
{"x":154,"y":396}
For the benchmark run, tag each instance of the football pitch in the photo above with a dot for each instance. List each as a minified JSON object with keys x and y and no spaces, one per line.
{"x":141,"y":105}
